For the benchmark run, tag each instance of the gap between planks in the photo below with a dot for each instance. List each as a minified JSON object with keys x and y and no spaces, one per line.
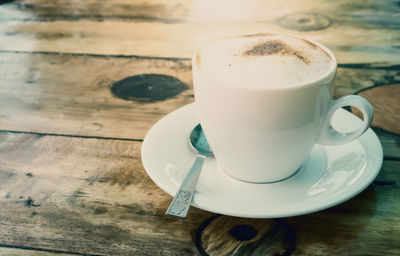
{"x":372,"y":65}
{"x":43,"y":250}
{"x":97,"y":55}
{"x":69,"y":135}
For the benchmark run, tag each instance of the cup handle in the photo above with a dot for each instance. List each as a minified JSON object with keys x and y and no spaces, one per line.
{"x":330,"y":136}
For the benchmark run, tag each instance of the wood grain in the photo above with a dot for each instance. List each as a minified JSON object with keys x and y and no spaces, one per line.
{"x":72,"y":94}
{"x":386,"y":103}
{"x":154,"y":28}
{"x":365,"y":225}
{"x":350,"y":45}
{"x":98,"y":74}
{"x":390,"y":144}
{"x":389,"y":174}
{"x":93,"y":9}
{"x":354,"y":13}
{"x":87,"y":196}
{"x":352,"y":78}
{"x":239,"y":236}
{"x":93,"y":196}
{"x":25,"y":252}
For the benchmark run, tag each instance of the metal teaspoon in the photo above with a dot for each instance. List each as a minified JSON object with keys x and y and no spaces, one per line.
{"x":179,"y":206}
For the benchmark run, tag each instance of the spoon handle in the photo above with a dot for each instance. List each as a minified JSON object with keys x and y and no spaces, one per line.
{"x":179,"y":206}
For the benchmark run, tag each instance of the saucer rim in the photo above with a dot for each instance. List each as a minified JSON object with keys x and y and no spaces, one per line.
{"x":367,"y":140}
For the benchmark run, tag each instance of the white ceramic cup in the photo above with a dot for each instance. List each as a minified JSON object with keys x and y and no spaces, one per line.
{"x":265,"y":134}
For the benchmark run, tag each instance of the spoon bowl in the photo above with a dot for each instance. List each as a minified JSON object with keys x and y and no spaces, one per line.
{"x":199,"y":142}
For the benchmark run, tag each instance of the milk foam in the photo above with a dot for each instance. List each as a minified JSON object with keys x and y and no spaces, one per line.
{"x":264,"y":61}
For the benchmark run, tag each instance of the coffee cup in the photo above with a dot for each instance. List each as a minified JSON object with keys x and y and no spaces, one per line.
{"x":264,"y":102}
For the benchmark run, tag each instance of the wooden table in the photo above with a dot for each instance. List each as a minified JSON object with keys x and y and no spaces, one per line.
{"x":75,"y":106}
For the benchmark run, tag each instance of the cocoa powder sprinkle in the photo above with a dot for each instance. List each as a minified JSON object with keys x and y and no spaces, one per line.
{"x":274,"y":47}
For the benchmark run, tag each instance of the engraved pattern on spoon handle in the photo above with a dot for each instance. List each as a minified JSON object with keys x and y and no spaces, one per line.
{"x":179,"y":206}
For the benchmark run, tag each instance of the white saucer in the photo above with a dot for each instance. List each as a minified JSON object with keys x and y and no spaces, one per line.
{"x":331,"y":174}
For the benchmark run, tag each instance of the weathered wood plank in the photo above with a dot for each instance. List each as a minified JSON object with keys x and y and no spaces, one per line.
{"x":367,"y":14}
{"x":226,"y":235}
{"x":365,"y":225}
{"x":390,"y":173}
{"x":390,"y":143}
{"x":93,"y":9}
{"x":352,"y":78}
{"x":72,"y":94}
{"x":357,"y":227}
{"x":386,"y":103}
{"x":350,"y":45}
{"x":87,"y":196}
{"x":93,"y":196}
{"x":24,"y":252}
